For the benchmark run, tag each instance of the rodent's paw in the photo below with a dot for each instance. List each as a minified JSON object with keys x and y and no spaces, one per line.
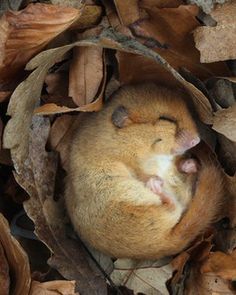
{"x":155,"y":184}
{"x":188,"y":166}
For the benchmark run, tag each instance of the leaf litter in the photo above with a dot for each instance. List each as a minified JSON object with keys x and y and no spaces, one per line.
{"x":150,"y":37}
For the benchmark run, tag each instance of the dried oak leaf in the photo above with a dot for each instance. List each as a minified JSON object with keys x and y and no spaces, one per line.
{"x":218,"y":43}
{"x":147,"y":277}
{"x":224,"y":122}
{"x":53,"y":288}
{"x":26,"y":32}
{"x":17,"y":261}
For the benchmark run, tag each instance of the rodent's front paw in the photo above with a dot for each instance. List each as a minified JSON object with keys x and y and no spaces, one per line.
{"x":188,"y":166}
{"x":155,"y":184}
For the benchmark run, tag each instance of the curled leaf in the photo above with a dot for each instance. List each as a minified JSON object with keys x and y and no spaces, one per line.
{"x":26,"y":32}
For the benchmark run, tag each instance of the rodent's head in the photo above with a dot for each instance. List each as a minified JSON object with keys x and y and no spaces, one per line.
{"x":155,"y":120}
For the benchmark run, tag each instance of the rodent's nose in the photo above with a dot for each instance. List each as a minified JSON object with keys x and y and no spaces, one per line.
{"x":185,"y":141}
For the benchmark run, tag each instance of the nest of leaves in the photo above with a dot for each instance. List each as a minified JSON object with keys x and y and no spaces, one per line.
{"x":62,"y":58}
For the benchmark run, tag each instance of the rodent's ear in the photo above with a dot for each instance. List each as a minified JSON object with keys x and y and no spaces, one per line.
{"x":120,"y":117}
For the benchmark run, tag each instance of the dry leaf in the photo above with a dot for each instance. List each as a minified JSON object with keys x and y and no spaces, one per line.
{"x":86,"y":71}
{"x":16,"y":259}
{"x":224,"y":122}
{"x":226,"y":154}
{"x":53,"y":288}
{"x":218,"y":43}
{"x":207,"y":284}
{"x":221,"y":264}
{"x":161,"y":3}
{"x":25,"y":33}
{"x":59,"y":137}
{"x":4,"y":95}
{"x":57,"y":83}
{"x":4,"y":273}
{"x":68,"y":3}
{"x":147,"y":277}
{"x":91,"y":14}
{"x":128,"y":11}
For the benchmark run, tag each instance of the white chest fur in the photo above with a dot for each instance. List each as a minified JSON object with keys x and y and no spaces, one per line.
{"x":159,"y":165}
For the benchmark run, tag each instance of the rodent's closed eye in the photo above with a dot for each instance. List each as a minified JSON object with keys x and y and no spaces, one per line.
{"x":156,"y":141}
{"x":168,"y":118}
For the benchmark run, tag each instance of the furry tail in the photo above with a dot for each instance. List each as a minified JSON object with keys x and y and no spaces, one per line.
{"x":204,"y":208}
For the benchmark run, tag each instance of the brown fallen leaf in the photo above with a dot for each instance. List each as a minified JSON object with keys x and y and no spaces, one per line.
{"x":224,"y":122}
{"x":218,"y":43}
{"x":59,"y":137}
{"x":147,"y":277}
{"x":207,"y":284}
{"x":128,"y":11}
{"x":161,"y":3}
{"x":68,"y":3}
{"x":4,"y":273}
{"x":4,"y":95}
{"x":57,"y":83}
{"x":86,"y":71}
{"x":16,"y":259}
{"x":221,"y":264}
{"x":91,"y":14}
{"x":24,"y":33}
{"x":226,"y":154}
{"x":53,"y":288}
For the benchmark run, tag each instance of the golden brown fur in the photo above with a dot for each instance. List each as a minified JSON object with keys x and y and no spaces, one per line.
{"x":106,"y":196}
